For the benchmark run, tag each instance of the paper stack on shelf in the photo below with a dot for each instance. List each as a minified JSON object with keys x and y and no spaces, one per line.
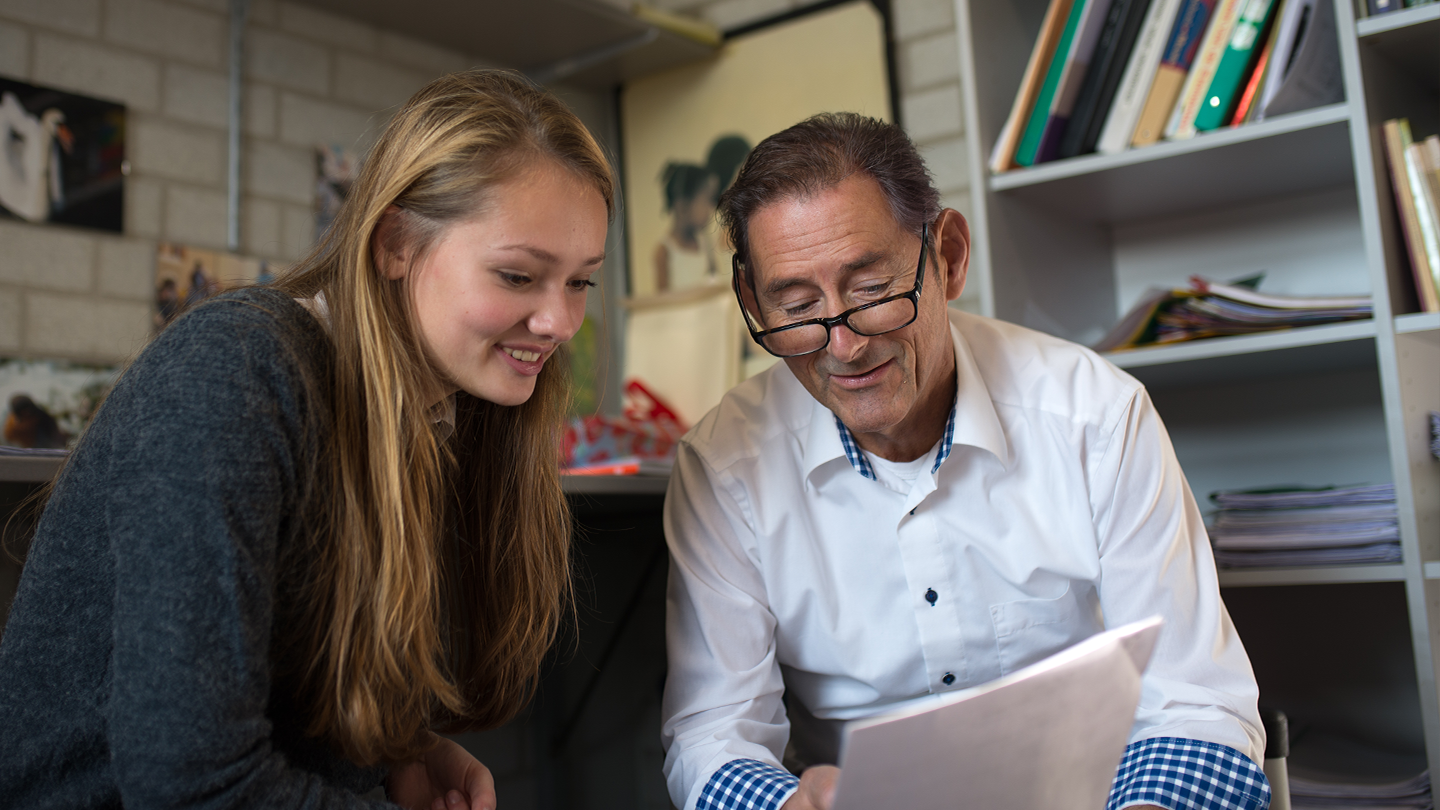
{"x":1297,"y":526}
{"x":1207,"y":309}
{"x":1337,"y":773}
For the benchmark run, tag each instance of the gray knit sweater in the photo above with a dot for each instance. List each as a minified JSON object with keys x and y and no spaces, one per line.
{"x":138,"y":666}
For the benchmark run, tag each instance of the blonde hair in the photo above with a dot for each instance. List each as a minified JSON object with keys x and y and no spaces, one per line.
{"x":438,"y":572}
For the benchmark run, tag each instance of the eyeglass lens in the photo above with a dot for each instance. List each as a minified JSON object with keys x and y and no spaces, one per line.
{"x":876,"y":320}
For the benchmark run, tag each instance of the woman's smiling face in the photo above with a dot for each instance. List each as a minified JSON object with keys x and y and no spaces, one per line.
{"x":499,"y":292}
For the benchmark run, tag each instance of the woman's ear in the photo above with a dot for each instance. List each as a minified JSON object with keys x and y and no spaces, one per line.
{"x":388,"y":248}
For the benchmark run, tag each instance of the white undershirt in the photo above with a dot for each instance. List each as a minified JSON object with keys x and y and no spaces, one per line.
{"x":900,"y":475}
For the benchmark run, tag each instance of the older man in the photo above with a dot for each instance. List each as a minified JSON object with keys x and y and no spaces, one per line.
{"x":917,"y":501}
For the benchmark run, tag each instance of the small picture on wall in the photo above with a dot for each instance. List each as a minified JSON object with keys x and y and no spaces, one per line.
{"x":63,"y":157}
{"x":336,"y":169}
{"x":47,"y":404}
{"x":185,"y":276}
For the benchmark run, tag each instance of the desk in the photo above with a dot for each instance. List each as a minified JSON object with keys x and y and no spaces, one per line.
{"x":591,"y":738}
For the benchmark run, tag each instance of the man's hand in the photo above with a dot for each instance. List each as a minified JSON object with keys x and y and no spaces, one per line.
{"x":817,"y":789}
{"x":447,"y":778}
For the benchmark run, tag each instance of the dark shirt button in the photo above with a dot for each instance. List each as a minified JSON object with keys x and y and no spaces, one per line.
{"x":931,"y":596}
{"x":912,"y":513}
{"x":948,"y":679}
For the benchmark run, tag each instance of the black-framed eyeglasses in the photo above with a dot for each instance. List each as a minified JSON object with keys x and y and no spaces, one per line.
{"x":874,"y":318}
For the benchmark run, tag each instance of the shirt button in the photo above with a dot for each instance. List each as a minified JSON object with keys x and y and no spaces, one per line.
{"x":948,"y":679}
{"x":912,"y":513}
{"x":931,"y":596}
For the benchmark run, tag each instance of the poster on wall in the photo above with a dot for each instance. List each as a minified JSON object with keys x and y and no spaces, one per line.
{"x":185,"y":276}
{"x":47,"y":404}
{"x":686,"y":133}
{"x":63,"y":157}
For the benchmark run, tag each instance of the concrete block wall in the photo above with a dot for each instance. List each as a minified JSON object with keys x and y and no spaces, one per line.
{"x":310,"y":78}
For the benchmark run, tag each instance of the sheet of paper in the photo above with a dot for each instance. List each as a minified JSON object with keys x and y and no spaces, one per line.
{"x":1050,"y":735}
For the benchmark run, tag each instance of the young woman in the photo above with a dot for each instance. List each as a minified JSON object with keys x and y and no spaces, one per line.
{"x":317,"y":520}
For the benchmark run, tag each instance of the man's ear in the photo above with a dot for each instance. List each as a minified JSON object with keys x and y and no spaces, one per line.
{"x":388,"y":248}
{"x":952,"y":243}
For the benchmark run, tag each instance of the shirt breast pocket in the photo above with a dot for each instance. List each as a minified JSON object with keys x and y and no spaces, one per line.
{"x":1029,"y":630}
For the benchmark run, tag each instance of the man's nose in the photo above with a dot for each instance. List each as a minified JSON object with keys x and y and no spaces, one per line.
{"x":845,"y":343}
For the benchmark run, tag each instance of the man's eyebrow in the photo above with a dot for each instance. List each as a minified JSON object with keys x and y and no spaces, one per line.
{"x":548,"y":257}
{"x":780,"y":285}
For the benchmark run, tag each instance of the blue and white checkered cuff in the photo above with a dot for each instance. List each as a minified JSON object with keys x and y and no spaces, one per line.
{"x":747,"y":784}
{"x":1180,"y":774}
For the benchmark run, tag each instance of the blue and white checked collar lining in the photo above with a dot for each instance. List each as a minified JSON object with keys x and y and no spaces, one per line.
{"x":857,"y":459}
{"x":1170,"y":772}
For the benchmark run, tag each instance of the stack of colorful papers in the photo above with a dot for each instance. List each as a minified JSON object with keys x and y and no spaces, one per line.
{"x":1302,"y":526}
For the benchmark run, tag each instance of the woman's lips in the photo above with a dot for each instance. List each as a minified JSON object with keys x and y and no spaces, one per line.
{"x":523,"y":364}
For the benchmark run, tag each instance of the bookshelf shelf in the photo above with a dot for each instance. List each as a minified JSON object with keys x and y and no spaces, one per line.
{"x":1311,"y":575}
{"x":21,"y":470}
{"x":1067,"y":247}
{"x":1211,"y":169}
{"x":1418,"y":322}
{"x":1246,"y":357}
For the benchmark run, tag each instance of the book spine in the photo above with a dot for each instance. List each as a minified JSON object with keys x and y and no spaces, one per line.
{"x":1247,"y":98}
{"x":1040,"y":113}
{"x":1110,"y":83}
{"x":1077,"y":63}
{"x":1217,"y":37}
{"x":1002,"y":157}
{"x":1234,"y":65}
{"x":1397,"y":137}
{"x":1427,"y":213}
{"x":1180,"y":50}
{"x":1135,"y":83}
{"x":1090,"y":88}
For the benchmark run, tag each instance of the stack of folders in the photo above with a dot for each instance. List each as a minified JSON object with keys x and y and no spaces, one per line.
{"x":1415,"y":178}
{"x":1207,"y":309}
{"x":1335,"y":772}
{"x":1299,"y":526}
{"x":1105,"y":75}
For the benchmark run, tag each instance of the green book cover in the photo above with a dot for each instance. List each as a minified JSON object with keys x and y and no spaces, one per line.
{"x":1234,"y":65}
{"x":1040,"y":113}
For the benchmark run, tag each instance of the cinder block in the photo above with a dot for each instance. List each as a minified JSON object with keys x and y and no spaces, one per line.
{"x":287,"y":61}
{"x":332,"y":29}
{"x":195,"y":216}
{"x":310,"y":122}
{"x":260,"y":227}
{"x":948,"y":164}
{"x":82,"y":328}
{"x":97,"y":70}
{"x":912,"y":18}
{"x":297,"y":232}
{"x":414,"y":53}
{"x":373,"y":84}
{"x":196,"y":95}
{"x":71,"y":16}
{"x":732,"y":13}
{"x":168,"y":29}
{"x":127,"y":268}
{"x":46,"y":256}
{"x":280,"y":171}
{"x":932,"y":114}
{"x":257,"y":109}
{"x":177,"y":151}
{"x":14,"y":51}
{"x":10,"y":324}
{"x":930,"y":61}
{"x":143,"y":201}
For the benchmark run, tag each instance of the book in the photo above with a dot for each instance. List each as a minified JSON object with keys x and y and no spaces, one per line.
{"x":1180,"y":49}
{"x":1383,"y":6}
{"x":1102,"y":78}
{"x":1029,"y":145}
{"x":1235,"y":64}
{"x":1072,"y":76}
{"x":1002,"y":157}
{"x":1217,"y":37}
{"x":1427,"y":205}
{"x":1397,"y":137}
{"x":1139,"y":72}
{"x":1290,"y":25}
{"x":1311,"y":75}
{"x":1249,"y":102}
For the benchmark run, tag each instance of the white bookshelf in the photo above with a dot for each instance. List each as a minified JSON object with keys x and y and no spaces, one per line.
{"x":1067,"y":247}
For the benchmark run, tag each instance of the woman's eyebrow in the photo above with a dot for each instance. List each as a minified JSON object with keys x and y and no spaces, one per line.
{"x":548,"y":257}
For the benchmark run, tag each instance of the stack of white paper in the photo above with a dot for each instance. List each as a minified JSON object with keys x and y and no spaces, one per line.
{"x":1335,"y":773}
{"x":1294,"y":526}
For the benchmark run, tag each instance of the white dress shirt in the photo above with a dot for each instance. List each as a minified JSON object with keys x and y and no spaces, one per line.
{"x":1060,"y":511}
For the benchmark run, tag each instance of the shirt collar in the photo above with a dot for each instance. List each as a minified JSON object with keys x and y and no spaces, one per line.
{"x":972,"y":421}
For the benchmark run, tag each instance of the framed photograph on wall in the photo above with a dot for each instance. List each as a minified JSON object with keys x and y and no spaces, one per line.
{"x":686,"y":131}
{"x":63,"y":157}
